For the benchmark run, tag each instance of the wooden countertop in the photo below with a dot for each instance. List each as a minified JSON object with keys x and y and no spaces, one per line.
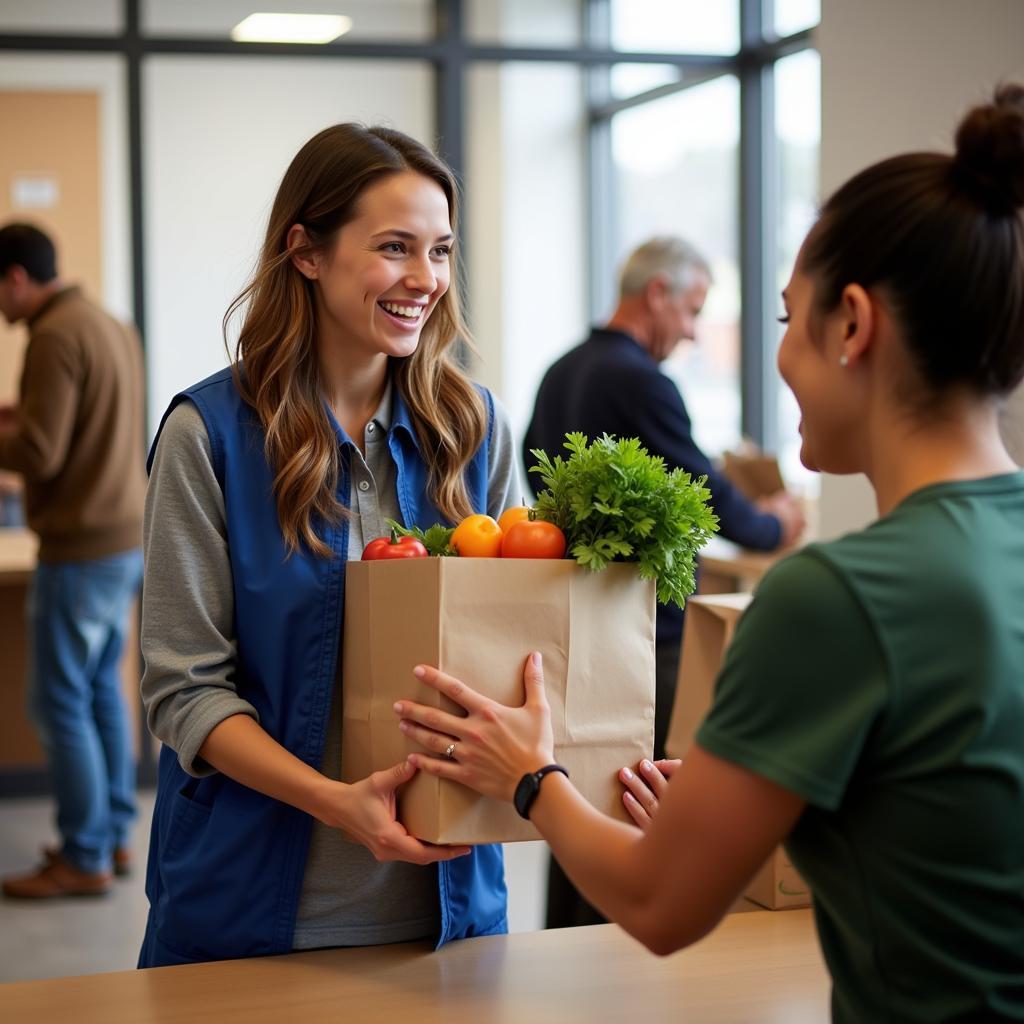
{"x":763,"y":967}
{"x":18,"y":548}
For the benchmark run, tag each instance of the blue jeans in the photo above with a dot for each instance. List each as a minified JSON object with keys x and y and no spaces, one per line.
{"x":77,"y":618}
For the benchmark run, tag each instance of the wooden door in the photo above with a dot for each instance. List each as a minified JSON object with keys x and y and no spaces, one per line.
{"x":50,"y":177}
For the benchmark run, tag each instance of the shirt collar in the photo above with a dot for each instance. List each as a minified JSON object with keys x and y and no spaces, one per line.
{"x":390,"y":416}
{"x":383,"y":412}
{"x":401,"y":419}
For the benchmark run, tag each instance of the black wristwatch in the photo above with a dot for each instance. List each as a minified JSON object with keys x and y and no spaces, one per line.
{"x":529,"y":787}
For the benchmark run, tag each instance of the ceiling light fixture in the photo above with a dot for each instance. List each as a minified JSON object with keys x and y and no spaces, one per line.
{"x":291,"y":28}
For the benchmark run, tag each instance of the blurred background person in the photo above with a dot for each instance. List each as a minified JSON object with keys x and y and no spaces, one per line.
{"x":612,"y":383}
{"x":76,"y":437}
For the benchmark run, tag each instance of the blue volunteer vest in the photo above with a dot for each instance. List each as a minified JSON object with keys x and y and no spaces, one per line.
{"x":225,"y":862}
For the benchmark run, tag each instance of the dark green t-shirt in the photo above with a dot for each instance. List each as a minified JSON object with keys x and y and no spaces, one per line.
{"x":881,"y":677}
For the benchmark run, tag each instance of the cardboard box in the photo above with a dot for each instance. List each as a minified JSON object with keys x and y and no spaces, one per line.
{"x":778,"y":885}
{"x":710,"y":625}
{"x":478,"y":619}
{"x":756,"y":475}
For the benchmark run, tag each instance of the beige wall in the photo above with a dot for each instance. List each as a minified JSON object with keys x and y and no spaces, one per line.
{"x":51,"y":137}
{"x":1012,"y":422}
{"x":896,"y":75}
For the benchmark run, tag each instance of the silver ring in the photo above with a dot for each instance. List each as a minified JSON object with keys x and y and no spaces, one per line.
{"x":449,"y":751}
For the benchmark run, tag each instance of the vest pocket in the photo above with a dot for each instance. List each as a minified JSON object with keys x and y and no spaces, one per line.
{"x":188,"y":816}
{"x":179,"y":919}
{"x":219,"y":876}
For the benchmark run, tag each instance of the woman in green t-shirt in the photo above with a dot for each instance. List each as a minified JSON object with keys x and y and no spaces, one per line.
{"x":871,"y":708}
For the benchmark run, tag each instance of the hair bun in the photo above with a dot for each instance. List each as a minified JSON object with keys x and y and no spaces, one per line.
{"x":989,"y":157}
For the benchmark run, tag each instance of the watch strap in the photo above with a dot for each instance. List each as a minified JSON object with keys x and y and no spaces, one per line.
{"x":529,"y":787}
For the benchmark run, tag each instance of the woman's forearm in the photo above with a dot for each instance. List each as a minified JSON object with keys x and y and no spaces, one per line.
{"x":241,"y":749}
{"x":669,"y":885}
{"x":605,"y":859}
{"x":365,"y":810}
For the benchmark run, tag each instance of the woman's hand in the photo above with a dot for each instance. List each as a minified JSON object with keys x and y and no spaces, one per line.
{"x":243,"y":751}
{"x":645,"y":786}
{"x":366,"y":811}
{"x":493,"y":746}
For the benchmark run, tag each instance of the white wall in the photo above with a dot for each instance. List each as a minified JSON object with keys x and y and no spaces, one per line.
{"x":1012,"y":424}
{"x":371,"y":19}
{"x":61,"y":16}
{"x":896,"y":75}
{"x":218,"y":135}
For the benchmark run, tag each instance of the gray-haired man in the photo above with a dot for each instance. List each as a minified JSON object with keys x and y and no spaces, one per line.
{"x":612,"y":383}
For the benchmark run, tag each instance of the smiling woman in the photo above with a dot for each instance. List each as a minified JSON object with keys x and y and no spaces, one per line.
{"x":342,"y":410}
{"x":362,"y":217}
{"x":384,"y":274}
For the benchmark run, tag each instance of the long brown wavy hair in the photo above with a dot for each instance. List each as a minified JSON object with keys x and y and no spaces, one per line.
{"x":276,"y":368}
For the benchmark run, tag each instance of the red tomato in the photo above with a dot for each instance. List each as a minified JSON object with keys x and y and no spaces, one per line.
{"x":533,"y":539}
{"x":393,"y":547}
{"x":477,"y":536}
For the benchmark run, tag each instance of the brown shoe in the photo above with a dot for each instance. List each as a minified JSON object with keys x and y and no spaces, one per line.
{"x":122,"y":859}
{"x":122,"y":862}
{"x":57,"y":877}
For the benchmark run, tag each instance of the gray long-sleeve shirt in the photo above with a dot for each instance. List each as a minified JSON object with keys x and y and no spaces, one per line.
{"x":189,"y":647}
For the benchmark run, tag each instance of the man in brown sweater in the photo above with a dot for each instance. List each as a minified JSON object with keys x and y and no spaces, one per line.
{"x":76,"y":436}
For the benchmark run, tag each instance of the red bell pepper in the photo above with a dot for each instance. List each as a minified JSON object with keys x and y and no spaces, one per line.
{"x":393,"y":547}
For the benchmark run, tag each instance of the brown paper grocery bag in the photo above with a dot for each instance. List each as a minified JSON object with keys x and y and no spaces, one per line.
{"x":755,"y":475}
{"x":478,"y":619}
{"x":710,"y":625}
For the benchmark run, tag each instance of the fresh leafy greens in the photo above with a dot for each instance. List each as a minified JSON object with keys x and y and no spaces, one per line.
{"x":436,"y":539}
{"x":614,"y":502}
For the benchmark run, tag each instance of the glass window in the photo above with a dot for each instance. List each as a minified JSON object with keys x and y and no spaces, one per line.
{"x":798,"y":131}
{"x":676,"y":166}
{"x":796,"y":15}
{"x":221,"y":131}
{"x":379,"y":20}
{"x":632,"y":79}
{"x":676,"y":26}
{"x":526,"y":219}
{"x":524,"y":22}
{"x":85,"y":17}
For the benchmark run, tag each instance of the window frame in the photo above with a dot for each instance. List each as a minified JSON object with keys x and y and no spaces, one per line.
{"x":753,"y":64}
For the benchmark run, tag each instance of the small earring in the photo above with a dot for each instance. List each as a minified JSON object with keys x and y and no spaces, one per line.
{"x":844,"y":360}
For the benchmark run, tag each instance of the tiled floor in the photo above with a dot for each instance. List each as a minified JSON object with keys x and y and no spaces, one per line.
{"x":66,"y":936}
{"x":86,"y":935}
